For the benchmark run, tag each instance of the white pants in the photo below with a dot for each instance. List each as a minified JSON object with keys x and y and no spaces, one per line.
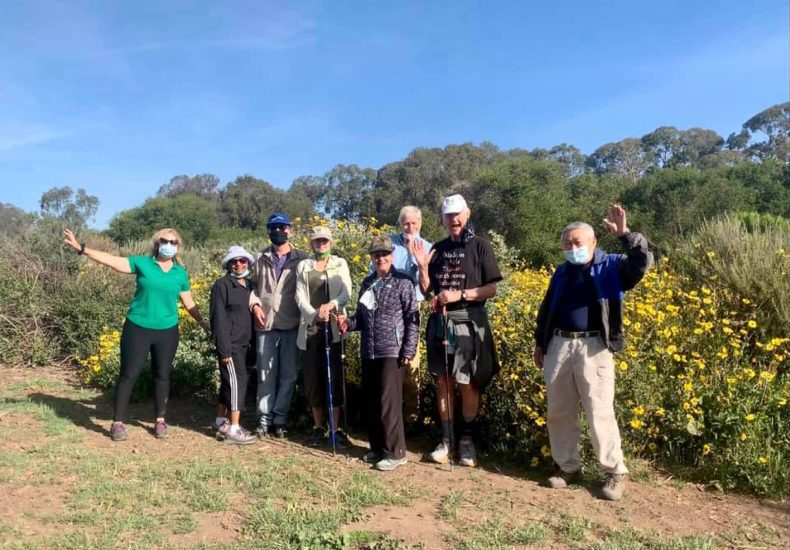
{"x":581,"y":370}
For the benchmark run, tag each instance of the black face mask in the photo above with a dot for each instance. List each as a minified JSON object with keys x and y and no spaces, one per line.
{"x":278,"y":238}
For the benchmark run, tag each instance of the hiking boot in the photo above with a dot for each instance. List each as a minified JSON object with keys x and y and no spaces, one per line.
{"x":222,"y":431}
{"x":371,"y":457}
{"x":280,"y":432}
{"x":613,"y":487}
{"x":316,"y":437}
{"x":160,"y":429}
{"x":389,"y":464}
{"x":441,"y":454}
{"x":118,"y":431}
{"x":561,"y":479}
{"x":263,"y":431}
{"x":467,"y":456}
{"x":342,"y":441}
{"x":239,"y":437}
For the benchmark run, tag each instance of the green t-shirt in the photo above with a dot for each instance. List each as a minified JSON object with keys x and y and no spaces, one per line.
{"x":155,"y":302}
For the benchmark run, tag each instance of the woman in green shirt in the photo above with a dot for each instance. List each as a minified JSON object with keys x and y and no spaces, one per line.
{"x":152,"y":320}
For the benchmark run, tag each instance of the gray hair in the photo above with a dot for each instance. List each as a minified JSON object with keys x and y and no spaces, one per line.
{"x":406,"y":210}
{"x":577,"y":225}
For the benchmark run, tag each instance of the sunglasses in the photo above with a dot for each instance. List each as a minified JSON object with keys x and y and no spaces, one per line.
{"x":238,"y":261}
{"x":279,"y":227}
{"x":320,"y":241}
{"x":377,"y":255}
{"x":168,"y":241}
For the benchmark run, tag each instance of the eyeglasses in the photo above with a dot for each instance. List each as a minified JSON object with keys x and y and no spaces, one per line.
{"x":238,"y":261}
{"x":168,"y":241}
{"x":377,"y":255}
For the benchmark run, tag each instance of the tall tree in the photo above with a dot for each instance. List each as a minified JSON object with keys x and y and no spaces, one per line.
{"x":202,"y":185}
{"x":626,"y":157}
{"x":773,"y":125}
{"x":192,"y":216}
{"x":74,"y":209}
{"x":247,"y":202}
{"x":14,"y":220}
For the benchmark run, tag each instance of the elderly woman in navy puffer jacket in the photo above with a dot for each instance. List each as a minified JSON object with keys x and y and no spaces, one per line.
{"x":388,"y":317}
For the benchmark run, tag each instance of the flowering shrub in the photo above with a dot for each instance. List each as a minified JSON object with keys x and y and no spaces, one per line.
{"x":700,"y":385}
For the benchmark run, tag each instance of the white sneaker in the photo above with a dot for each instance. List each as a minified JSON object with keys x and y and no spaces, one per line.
{"x":467,"y":456}
{"x":441,"y":454}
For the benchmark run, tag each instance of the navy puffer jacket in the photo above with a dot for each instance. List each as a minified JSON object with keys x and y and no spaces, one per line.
{"x":392,"y":328}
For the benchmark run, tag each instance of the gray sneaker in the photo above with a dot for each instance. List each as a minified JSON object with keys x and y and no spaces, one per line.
{"x":118,"y":431}
{"x":467,"y":455}
{"x":239,"y":437}
{"x":160,"y":429}
{"x":371,"y":457}
{"x":441,"y":454}
{"x":561,"y":479}
{"x":389,"y":464}
{"x":613,"y":486}
{"x":222,"y":431}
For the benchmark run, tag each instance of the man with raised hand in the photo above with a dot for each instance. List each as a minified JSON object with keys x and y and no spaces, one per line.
{"x":273,"y":305}
{"x":403,"y":260}
{"x":579,"y":325}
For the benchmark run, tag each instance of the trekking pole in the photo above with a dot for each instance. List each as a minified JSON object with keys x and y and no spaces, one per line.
{"x":446,"y":344}
{"x":327,"y":343}
{"x":343,"y":379}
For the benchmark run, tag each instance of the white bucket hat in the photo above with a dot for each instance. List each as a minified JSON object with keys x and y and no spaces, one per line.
{"x":454,"y":204}
{"x":236,"y":251}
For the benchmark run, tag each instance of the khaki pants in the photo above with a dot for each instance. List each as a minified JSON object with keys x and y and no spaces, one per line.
{"x":411,"y":388}
{"x":581,"y":370}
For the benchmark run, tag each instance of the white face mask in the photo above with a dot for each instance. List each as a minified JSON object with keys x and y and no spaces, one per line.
{"x":167,"y":250}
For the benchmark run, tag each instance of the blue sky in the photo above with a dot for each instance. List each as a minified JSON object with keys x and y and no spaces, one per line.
{"x":118,"y":97}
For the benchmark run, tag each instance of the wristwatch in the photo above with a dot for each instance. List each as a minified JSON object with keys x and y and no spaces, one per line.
{"x":464,"y":296}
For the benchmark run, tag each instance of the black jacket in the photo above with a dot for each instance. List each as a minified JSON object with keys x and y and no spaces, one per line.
{"x":392,"y":329}
{"x":231,"y":320}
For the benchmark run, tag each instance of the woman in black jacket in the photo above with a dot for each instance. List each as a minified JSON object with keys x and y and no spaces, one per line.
{"x":388,"y":317}
{"x":231,"y":328}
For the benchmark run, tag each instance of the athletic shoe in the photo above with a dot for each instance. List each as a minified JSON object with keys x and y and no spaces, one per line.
{"x":240,"y":437}
{"x":467,"y":456}
{"x":280,"y":432}
{"x":389,"y":464}
{"x":316,"y":437}
{"x":215,"y":426}
{"x":160,"y":429}
{"x":263,"y":431}
{"x":118,"y":431}
{"x":371,"y":457}
{"x":222,"y":431}
{"x":613,"y":486}
{"x":341,"y":440}
{"x":441,"y":454}
{"x":561,"y":479}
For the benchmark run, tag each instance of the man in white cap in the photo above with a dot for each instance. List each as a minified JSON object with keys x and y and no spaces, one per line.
{"x":231,"y":329}
{"x":273,"y":305}
{"x":462,"y":273}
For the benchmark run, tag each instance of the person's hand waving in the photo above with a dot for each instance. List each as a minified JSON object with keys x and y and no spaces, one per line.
{"x":615,"y":222}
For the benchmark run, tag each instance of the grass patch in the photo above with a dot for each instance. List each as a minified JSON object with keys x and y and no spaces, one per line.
{"x":631,"y":539}
{"x":496,"y":534}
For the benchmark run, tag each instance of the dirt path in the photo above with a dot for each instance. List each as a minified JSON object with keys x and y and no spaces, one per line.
{"x":447,"y":500}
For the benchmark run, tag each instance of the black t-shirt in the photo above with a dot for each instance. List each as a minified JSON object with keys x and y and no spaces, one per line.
{"x":459,"y":265}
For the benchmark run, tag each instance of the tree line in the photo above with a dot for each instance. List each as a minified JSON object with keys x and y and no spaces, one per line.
{"x":670,"y":179}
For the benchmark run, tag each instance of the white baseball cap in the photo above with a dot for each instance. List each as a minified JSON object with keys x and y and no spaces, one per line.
{"x":454,"y":204}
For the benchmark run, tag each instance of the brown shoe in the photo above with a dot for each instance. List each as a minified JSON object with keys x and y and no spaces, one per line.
{"x":613,"y":487}
{"x":561,"y":479}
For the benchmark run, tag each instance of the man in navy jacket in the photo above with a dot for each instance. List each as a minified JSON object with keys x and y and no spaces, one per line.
{"x":579,"y":325}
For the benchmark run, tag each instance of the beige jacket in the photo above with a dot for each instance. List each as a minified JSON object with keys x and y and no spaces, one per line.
{"x":276,"y":296}
{"x":339,"y":292}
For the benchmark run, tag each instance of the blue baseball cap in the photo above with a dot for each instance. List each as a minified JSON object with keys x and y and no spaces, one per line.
{"x":277,"y":219}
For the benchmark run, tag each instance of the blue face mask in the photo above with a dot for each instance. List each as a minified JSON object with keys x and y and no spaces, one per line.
{"x":577,"y":256}
{"x":167,"y":250}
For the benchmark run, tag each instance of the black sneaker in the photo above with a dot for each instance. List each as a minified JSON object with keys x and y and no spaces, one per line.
{"x":316,"y":437}
{"x":341,"y":440}
{"x":280,"y":432}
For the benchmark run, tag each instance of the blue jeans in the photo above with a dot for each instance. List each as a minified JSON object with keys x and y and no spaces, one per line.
{"x":278,"y":369}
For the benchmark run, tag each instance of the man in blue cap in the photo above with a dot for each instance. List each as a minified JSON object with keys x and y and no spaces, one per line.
{"x":273,"y":305}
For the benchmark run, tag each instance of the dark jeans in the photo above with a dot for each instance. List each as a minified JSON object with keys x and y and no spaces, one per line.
{"x":136,"y":343}
{"x":382,"y":384}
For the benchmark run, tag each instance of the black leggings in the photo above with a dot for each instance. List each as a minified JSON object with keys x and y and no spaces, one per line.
{"x":136,"y":342}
